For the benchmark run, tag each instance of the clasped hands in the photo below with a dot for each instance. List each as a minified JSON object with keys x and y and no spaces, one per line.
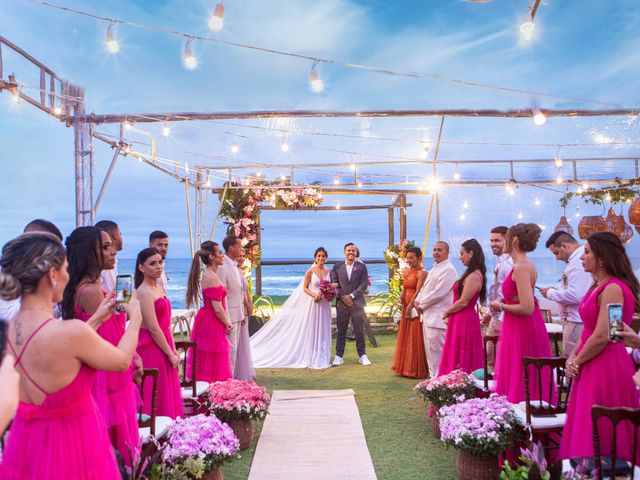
{"x":347,"y":300}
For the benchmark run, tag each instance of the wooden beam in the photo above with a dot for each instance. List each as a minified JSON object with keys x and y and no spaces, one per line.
{"x":524,"y":112}
{"x":353,"y":207}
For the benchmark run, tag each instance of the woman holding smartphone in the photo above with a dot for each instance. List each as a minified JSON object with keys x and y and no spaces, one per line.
{"x":89,"y":251}
{"x":58,"y":430}
{"x":601,"y":367}
{"x":156,"y":347}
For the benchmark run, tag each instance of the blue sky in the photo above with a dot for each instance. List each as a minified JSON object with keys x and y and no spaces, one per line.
{"x":587,"y":49}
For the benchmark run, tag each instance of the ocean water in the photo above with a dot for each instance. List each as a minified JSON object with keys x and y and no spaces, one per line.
{"x":283,"y":279}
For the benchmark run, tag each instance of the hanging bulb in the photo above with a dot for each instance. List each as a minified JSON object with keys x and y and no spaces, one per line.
{"x":338,"y":206}
{"x":234,"y":148}
{"x":559,"y":180}
{"x":112,"y":43}
{"x":258,"y":173}
{"x":336,"y":181}
{"x":527,"y":31}
{"x":579,"y":191}
{"x":315,"y":82}
{"x":216,"y":20}
{"x":284,"y":146}
{"x":127,"y":149}
{"x":585,"y":186}
{"x":189,"y":60}
{"x":607,"y":197}
{"x":537,"y":202}
{"x":166,"y":130}
{"x":352,"y":167}
{"x":465,"y":205}
{"x":558,"y":162}
{"x":456,"y":176}
{"x":208,"y":182}
{"x":57,"y":110}
{"x":359,"y":184}
{"x":520,"y":216}
{"x":462,"y":216}
{"x":283,"y":177}
{"x":127,"y":126}
{"x":539,"y":118}
{"x":424,"y":153}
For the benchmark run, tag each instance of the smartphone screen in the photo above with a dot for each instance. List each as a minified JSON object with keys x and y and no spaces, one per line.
{"x":615,"y":320}
{"x":124,"y":285}
{"x":4,"y":333}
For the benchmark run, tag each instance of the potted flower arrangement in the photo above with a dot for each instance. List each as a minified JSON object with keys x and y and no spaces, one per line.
{"x":456,"y":386}
{"x":480,"y":429}
{"x":196,"y":447}
{"x":238,"y":403}
{"x":533,"y":466}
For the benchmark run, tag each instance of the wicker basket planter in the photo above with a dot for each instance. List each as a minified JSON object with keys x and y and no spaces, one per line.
{"x":435,"y":425}
{"x":215,"y":474}
{"x":243,"y":428}
{"x":474,"y":467}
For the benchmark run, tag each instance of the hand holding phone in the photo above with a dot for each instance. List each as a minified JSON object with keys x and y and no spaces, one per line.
{"x":124,"y":286}
{"x":614,"y":312}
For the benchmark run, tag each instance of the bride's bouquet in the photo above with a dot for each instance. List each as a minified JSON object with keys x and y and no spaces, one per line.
{"x":327,"y":291}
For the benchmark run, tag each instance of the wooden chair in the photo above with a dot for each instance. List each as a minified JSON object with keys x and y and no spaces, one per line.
{"x":547,"y":316}
{"x":151,"y":426}
{"x":546,"y":415}
{"x":486,"y":385}
{"x":556,"y":343}
{"x":192,"y":389}
{"x":612,"y":466}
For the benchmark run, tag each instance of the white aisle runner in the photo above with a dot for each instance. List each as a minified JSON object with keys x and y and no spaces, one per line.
{"x":312,"y":434}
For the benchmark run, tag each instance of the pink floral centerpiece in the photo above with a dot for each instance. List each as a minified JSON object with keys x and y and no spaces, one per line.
{"x":456,"y":386}
{"x":327,"y":291}
{"x":195,"y":446}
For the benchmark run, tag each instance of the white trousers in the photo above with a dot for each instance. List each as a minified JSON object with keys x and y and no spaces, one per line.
{"x":433,"y":342}
{"x":234,"y":338}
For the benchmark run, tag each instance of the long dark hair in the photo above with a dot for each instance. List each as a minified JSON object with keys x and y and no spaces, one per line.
{"x":477,"y":263}
{"x":609,"y":250}
{"x":193,"y":280}
{"x":84,"y":254}
{"x":138,"y":276}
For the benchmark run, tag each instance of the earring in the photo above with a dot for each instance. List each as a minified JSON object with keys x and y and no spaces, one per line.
{"x":55,"y":285}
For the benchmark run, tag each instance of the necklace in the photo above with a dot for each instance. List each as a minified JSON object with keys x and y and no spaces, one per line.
{"x":602,"y":280}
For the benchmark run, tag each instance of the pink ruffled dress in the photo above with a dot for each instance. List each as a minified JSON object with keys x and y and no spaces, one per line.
{"x":64,"y":437}
{"x":462,"y":347}
{"x":116,"y":394}
{"x":169,"y":398}
{"x":605,"y":380}
{"x":212,"y":351}
{"x":521,"y":336}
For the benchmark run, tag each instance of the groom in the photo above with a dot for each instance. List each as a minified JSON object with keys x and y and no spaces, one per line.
{"x":352,"y":280}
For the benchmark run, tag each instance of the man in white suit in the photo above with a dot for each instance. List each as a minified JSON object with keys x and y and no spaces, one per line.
{"x":229,"y":275}
{"x":434,"y":298}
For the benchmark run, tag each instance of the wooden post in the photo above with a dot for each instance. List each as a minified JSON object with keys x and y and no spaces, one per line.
{"x":391,"y":234}
{"x":402,"y":204}
{"x":259,"y":267}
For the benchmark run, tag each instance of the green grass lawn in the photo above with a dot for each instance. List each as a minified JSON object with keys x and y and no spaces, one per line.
{"x":395,"y":420}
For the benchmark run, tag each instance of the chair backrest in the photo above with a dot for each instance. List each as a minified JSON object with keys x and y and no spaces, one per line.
{"x":556,"y":343}
{"x":616,"y":416}
{"x":186,"y":382}
{"x":552,"y":388}
{"x":488,"y":339}
{"x":547,"y":316}
{"x":151,"y":420}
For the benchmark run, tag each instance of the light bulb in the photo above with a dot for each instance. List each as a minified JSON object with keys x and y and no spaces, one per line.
{"x":112,"y":43}
{"x":512,"y":192}
{"x":234,"y":148}
{"x":628,"y":200}
{"x":537,"y":202}
{"x":189,"y":60}
{"x":456,"y":176}
{"x":166,"y":130}
{"x":539,"y":118}
{"x":337,"y":206}
{"x":258,"y":173}
{"x":359,"y":184}
{"x":542,"y":227}
{"x":353,"y":167}
{"x":127,"y":126}
{"x":527,"y":31}
{"x":284,"y":146}
{"x":462,"y":216}
{"x":127,"y":149}
{"x":57,"y":110}
{"x":585,"y":186}
{"x":559,"y":180}
{"x":558,"y":162}
{"x":315,"y":82}
{"x":186,"y":168}
{"x":607,"y":197}
{"x":424,"y":153}
{"x":520,"y":216}
{"x":579,"y":191}
{"x":465,"y":205}
{"x":433,"y":184}
{"x":336,"y":181}
{"x":283,"y":177}
{"x":216,"y":20}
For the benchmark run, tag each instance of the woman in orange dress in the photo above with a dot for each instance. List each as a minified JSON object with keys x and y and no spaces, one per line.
{"x":410,"y":359}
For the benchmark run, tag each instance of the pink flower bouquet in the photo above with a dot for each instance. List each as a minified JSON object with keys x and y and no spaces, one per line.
{"x":454,"y":387}
{"x":480,"y":426}
{"x":196,"y":445}
{"x":327,"y":290}
{"x":234,"y":399}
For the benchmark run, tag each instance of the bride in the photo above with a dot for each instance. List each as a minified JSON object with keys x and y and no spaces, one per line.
{"x":299,"y":334}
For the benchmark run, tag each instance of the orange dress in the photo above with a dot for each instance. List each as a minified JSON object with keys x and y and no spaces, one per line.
{"x":410,"y":359}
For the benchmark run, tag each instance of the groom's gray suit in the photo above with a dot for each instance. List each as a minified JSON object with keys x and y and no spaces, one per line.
{"x":354,"y":286}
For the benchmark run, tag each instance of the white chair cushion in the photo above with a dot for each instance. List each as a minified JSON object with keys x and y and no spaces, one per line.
{"x":201,"y":388}
{"x":555,"y":421}
{"x":553,"y":328}
{"x":479,"y":384}
{"x":162,"y":426}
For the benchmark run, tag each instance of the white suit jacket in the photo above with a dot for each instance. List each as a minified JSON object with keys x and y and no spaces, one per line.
{"x":229,"y":275}
{"x":436,"y":296}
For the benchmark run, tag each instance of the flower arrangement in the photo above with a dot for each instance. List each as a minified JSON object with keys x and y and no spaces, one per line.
{"x":480,"y":426}
{"x":196,"y":445}
{"x":233,"y":399}
{"x":327,"y":290}
{"x":534,"y":466}
{"x":295,"y":198}
{"x":454,"y":387}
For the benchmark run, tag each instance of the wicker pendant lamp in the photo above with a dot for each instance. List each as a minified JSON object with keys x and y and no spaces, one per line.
{"x":634,"y":213}
{"x":563,"y":226}
{"x":591,"y":224}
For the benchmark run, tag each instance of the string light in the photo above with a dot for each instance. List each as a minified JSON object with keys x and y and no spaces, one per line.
{"x":537,"y":202}
{"x":628,"y":200}
{"x":424,"y":152}
{"x":539,"y":118}
{"x":433,"y":184}
{"x":315,"y":82}
{"x":527,"y":31}
{"x":558,"y":161}
{"x":337,"y":206}
{"x":112,"y":43}
{"x":336,"y":181}
{"x":608,"y":197}
{"x":284,"y":146}
{"x":166,"y":130}
{"x":579,"y":191}
{"x":127,"y":126}
{"x":465,"y":205}
{"x":456,"y":176}
{"x":509,"y":187}
{"x":353,"y":167}
{"x":208,"y":182}
{"x":559,"y":180}
{"x":359,"y":184}
{"x":189,"y":60}
{"x":520,"y":216}
{"x":234,"y":148}
{"x":462,"y":216}
{"x":127,"y":149}
{"x":258,"y":173}
{"x":216,"y":20}
{"x":585,"y":186}
{"x":57,"y":110}
{"x":542,"y":227}
{"x":283,"y":178}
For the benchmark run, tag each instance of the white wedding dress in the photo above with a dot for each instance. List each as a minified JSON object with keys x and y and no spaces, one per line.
{"x":298,"y":335}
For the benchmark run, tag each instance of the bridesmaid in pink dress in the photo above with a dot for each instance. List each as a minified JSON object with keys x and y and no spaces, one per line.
{"x":115,"y":392}
{"x":523,"y":333}
{"x":603,"y":369}
{"x":58,"y":431}
{"x":211,"y":324}
{"x":463,"y":341}
{"x":156,"y":346}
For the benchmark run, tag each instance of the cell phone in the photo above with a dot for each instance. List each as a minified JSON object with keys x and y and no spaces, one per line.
{"x":124,"y":285}
{"x":4,"y":334}
{"x":614,"y":311}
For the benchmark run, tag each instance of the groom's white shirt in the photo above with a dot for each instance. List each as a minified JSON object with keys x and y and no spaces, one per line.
{"x":435,"y":296}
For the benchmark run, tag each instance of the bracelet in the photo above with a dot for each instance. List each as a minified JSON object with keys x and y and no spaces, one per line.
{"x":501,"y":305}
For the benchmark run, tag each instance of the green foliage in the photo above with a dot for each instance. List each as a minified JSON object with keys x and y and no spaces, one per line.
{"x":263,"y":308}
{"x":618,"y":193}
{"x":191,"y":468}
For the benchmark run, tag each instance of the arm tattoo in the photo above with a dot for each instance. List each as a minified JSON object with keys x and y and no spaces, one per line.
{"x":18,"y":326}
